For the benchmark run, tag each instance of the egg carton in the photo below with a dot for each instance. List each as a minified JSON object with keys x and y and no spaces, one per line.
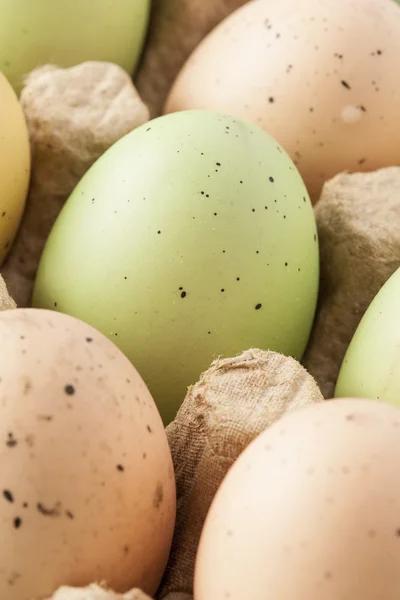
{"x":75,"y":114}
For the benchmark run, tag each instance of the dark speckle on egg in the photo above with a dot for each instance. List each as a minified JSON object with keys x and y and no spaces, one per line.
{"x":69,"y":389}
{"x":158,"y":495}
{"x":11,"y":441}
{"x":46,"y":511}
{"x":8,"y":495}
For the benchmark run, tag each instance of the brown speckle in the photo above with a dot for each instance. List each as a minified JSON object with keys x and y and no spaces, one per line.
{"x":55,"y":511}
{"x":69,"y":389}
{"x":11,"y":441}
{"x":47,"y":418}
{"x":120,"y":468}
{"x":27,"y":386}
{"x":158,"y":495}
{"x":12,"y":580}
{"x":8,"y":495}
{"x":17,"y":522}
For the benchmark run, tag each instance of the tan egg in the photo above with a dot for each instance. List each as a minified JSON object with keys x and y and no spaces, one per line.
{"x":310,"y":510}
{"x":15,"y":164}
{"x":86,"y":475}
{"x":322,"y":77}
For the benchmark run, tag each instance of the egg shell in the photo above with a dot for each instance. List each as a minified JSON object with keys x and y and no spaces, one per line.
{"x":323,"y":78}
{"x":15,"y":164}
{"x":86,"y":475}
{"x":371,"y":366}
{"x":309,"y":510}
{"x":192,"y":237}
{"x":34,"y":34}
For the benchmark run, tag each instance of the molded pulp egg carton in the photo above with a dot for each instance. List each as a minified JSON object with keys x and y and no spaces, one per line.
{"x":359,"y":239}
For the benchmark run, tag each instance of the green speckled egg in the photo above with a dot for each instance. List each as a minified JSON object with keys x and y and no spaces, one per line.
{"x":192,"y":237}
{"x":371,"y":366}
{"x":37,"y":32}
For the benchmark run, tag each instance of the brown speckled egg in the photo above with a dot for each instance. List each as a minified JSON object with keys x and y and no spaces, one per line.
{"x":310,"y":510}
{"x":322,"y":77}
{"x":86,"y":475}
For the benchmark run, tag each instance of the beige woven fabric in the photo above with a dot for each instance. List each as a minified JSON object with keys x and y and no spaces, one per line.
{"x":358,"y":220}
{"x":232,"y":403}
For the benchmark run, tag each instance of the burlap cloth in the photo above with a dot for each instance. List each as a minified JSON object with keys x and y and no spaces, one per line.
{"x":358,"y":220}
